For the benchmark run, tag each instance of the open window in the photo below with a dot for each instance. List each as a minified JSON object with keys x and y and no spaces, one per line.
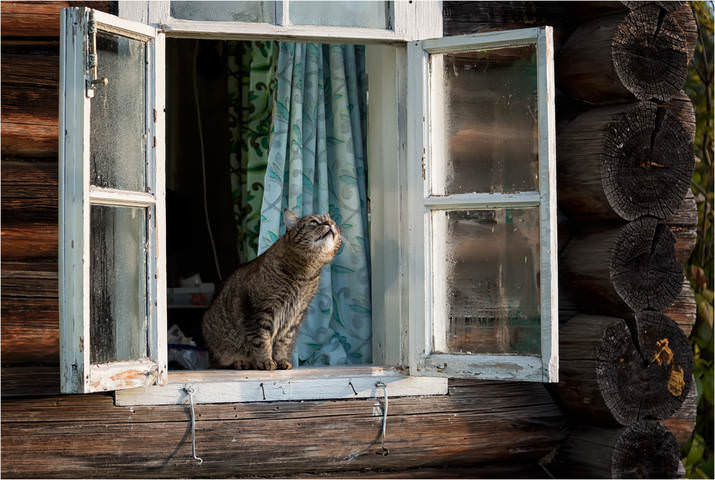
{"x":434,"y":218}
{"x":111,"y":230}
{"x":483,"y":206}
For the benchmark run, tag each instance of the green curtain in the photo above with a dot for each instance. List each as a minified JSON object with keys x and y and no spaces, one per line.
{"x":251,"y":87}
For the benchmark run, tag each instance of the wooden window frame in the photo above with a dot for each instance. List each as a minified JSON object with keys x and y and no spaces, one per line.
{"x":392,"y":190}
{"x":76,"y":197}
{"x":425,"y":324}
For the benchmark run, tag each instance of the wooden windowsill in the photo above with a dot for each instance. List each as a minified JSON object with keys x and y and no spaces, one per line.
{"x":327,"y":383}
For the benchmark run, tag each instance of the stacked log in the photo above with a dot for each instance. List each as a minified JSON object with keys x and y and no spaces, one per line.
{"x":625,"y":163}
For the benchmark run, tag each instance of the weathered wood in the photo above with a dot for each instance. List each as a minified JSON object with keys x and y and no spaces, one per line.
{"x":682,"y":423}
{"x":682,"y":13}
{"x":641,"y":55}
{"x":29,"y":241}
{"x":29,"y":380}
{"x":643,"y":450}
{"x":30,"y":326}
{"x":684,"y":310}
{"x":616,"y":269}
{"x":625,"y":162}
{"x":29,"y":191}
{"x":23,"y":136}
{"x":684,"y":225}
{"x":607,"y":379}
{"x":31,"y":19}
{"x":477,"y":422}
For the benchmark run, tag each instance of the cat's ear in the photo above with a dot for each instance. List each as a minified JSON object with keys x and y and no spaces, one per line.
{"x":290,"y":219}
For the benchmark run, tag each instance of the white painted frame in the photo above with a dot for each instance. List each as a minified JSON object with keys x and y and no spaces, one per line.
{"x":76,"y":197}
{"x":409,"y":20}
{"x":425,"y":149}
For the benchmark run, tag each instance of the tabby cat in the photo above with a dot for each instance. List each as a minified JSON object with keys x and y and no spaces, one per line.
{"x":253,"y":322}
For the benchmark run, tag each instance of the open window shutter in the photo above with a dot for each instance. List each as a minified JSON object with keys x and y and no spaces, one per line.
{"x":111,"y":214}
{"x":482,"y":209}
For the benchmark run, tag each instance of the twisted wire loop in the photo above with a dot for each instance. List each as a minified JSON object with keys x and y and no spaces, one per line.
{"x":383,"y":451}
{"x":190,"y":390}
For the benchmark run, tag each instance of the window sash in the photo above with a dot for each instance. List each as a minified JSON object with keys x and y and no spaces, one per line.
{"x":77,"y":196}
{"x":426,"y":140}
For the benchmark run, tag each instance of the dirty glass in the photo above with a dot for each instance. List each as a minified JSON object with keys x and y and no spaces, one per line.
{"x":486,"y":103}
{"x":366,"y":14}
{"x":490,"y":280}
{"x":235,"y":11}
{"x":118,"y":315}
{"x":118,"y":136}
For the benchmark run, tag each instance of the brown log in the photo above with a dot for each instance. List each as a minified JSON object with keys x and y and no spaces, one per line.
{"x":642,"y":450}
{"x":684,"y":310}
{"x":22,"y":136}
{"x":607,"y":379}
{"x":29,"y":191}
{"x":27,"y":241}
{"x":625,"y":162}
{"x":31,"y":19}
{"x":25,"y":381}
{"x":477,"y":422}
{"x":30,"y":317}
{"x":682,"y":423}
{"x":628,"y":267}
{"x":641,"y":55}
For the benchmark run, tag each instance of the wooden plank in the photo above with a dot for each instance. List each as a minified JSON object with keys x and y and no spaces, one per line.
{"x":31,"y":19}
{"x":26,"y":381}
{"x":495,"y":421}
{"x":25,"y":241}
{"x":22,"y":136}
{"x":29,"y":191}
{"x":684,"y":310}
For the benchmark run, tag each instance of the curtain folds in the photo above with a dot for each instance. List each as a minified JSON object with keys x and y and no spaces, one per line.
{"x":316,"y":164}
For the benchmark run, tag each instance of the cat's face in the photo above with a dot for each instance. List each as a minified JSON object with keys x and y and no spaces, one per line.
{"x":317,"y":235}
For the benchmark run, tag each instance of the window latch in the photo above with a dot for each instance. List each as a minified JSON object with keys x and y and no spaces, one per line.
{"x":92,"y":60}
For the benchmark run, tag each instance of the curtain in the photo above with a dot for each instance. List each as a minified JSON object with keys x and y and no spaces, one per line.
{"x":251,"y":88}
{"x":316,"y":164}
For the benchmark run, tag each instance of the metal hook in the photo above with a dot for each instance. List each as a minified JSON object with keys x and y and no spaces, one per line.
{"x":383,"y":451}
{"x":189,"y":389}
{"x":353,"y":387}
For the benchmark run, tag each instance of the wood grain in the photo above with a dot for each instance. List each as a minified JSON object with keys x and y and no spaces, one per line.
{"x":476,"y":422}
{"x":31,"y":19}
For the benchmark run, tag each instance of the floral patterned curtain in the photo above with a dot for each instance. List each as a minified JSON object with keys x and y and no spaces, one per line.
{"x":251,"y":87}
{"x":316,"y":164}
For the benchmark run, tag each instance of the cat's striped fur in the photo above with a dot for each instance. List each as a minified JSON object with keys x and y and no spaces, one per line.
{"x":253,"y":322}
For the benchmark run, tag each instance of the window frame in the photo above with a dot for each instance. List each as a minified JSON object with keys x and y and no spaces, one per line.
{"x":422,"y":145}
{"x":77,"y":195}
{"x":391,"y":228}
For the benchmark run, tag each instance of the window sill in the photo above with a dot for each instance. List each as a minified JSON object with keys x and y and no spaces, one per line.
{"x":328,"y":383}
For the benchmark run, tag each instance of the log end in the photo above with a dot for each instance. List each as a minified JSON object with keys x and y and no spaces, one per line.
{"x":645,"y":450}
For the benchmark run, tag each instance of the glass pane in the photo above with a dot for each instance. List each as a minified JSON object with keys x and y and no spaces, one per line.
{"x":118,"y":320}
{"x":486,"y":265}
{"x":487,"y":102}
{"x":366,"y":14}
{"x":240,"y":11}
{"x":118,"y":114}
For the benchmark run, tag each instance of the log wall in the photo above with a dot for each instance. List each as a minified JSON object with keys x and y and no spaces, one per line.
{"x":493,"y":429}
{"x":480,"y":429}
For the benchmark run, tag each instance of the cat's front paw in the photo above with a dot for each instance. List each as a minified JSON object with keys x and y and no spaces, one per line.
{"x":284,"y":364}
{"x":266,"y":364}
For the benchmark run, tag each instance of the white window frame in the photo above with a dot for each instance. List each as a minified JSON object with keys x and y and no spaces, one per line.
{"x":425,"y":148}
{"x":76,"y":196}
{"x":391,"y":188}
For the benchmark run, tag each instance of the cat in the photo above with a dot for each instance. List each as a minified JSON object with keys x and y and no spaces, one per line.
{"x":253,"y":322}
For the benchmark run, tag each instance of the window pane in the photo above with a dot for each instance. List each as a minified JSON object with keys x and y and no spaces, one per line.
{"x":367,"y":14}
{"x":239,"y":11}
{"x":486,"y":265}
{"x":118,"y":115}
{"x":118,"y":321}
{"x":487,"y":104}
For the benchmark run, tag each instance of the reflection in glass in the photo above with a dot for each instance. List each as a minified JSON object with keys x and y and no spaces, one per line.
{"x":365,"y":13}
{"x":118,"y":315}
{"x":487,"y":104}
{"x":486,"y":265}
{"x":234,"y":11}
{"x":118,"y":115}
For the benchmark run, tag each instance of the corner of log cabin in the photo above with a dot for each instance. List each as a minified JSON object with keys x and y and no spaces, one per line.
{"x":495,"y":429}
